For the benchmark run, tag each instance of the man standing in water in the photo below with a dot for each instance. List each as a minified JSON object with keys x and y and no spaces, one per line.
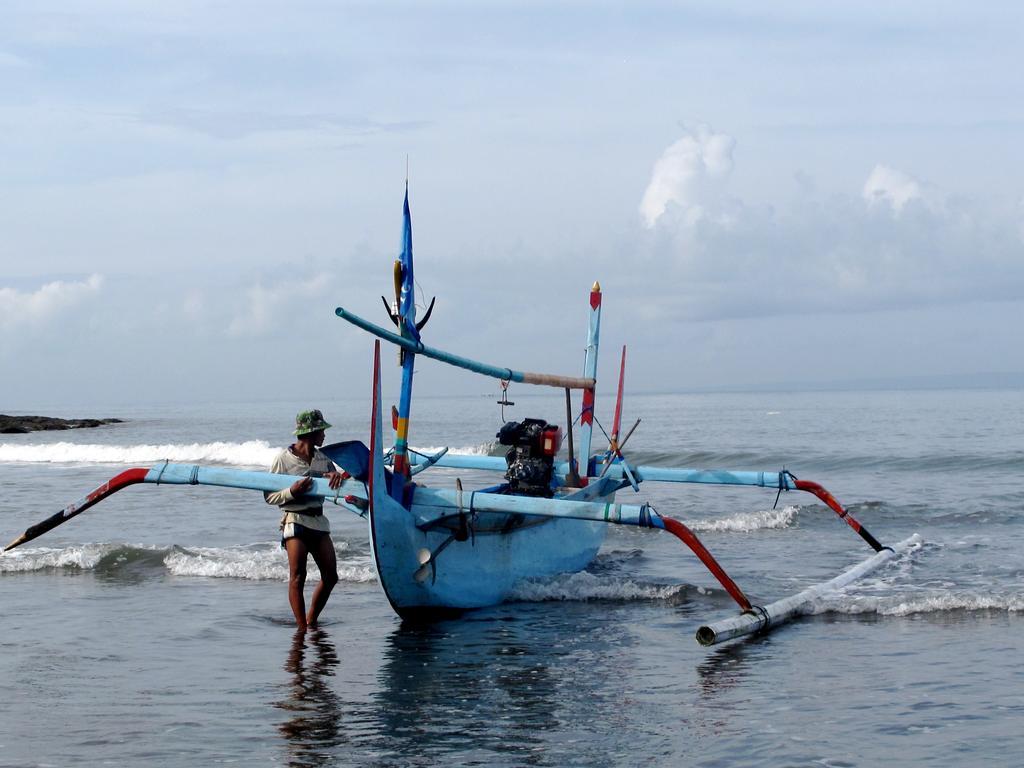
{"x":304,"y":528}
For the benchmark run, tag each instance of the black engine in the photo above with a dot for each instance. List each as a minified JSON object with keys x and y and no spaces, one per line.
{"x":533,"y":444}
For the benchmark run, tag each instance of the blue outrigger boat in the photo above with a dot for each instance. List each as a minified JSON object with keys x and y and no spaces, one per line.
{"x":442,"y":551}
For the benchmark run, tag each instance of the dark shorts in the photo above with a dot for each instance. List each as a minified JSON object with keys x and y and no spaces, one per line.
{"x":307,"y":536}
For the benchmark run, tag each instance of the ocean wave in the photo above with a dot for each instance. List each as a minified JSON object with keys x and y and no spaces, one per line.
{"x":85,"y":557}
{"x":902,"y":605}
{"x":938,"y":461}
{"x":251,"y":453}
{"x":586,"y":586}
{"x":746,"y":522}
{"x":483,"y":449}
{"x":256,"y":563}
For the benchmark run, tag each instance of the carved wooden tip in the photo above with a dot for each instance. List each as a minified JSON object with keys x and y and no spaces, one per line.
{"x":20,"y":540}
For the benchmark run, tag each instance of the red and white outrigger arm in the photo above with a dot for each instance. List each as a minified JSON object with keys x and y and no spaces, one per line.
{"x":351,"y":494}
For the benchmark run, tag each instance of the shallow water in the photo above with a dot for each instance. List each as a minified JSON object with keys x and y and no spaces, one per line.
{"x":154,"y":629}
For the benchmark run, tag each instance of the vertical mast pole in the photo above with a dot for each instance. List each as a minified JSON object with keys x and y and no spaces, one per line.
{"x":572,"y":477}
{"x":407,"y":327}
{"x":590,"y":372}
{"x":613,"y":447}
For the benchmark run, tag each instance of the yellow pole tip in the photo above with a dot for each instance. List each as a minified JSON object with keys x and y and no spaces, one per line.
{"x":596,"y":288}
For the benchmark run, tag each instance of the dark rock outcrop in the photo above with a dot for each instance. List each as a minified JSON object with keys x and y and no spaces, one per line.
{"x":11,"y":425}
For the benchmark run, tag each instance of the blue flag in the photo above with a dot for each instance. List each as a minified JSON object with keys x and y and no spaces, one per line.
{"x":407,"y":300}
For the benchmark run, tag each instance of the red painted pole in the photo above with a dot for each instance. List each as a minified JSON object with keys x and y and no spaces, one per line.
{"x":689,"y":538}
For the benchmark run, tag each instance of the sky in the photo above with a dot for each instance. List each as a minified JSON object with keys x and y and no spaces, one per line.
{"x":794,"y":192}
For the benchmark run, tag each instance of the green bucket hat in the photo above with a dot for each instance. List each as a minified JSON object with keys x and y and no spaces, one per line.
{"x":310,"y":421}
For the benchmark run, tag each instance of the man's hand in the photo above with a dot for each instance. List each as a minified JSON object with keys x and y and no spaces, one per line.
{"x":335,"y":479}
{"x":299,"y":487}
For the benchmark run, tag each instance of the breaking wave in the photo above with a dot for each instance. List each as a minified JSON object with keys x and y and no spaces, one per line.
{"x":586,"y":586}
{"x":483,"y":449}
{"x":1010,"y":458}
{"x":746,"y":522}
{"x":251,"y":453}
{"x":85,"y":557}
{"x":902,"y":605}
{"x":256,"y":562}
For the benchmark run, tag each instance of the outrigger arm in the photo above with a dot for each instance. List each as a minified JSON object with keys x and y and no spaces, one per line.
{"x":620,"y":470}
{"x":351,"y":494}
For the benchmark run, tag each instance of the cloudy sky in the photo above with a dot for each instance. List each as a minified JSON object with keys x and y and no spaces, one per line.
{"x":790,"y":192}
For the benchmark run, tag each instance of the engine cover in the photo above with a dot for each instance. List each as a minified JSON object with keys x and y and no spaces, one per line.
{"x":533,"y":444}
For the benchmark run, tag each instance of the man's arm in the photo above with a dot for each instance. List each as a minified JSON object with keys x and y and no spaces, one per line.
{"x":285,"y":495}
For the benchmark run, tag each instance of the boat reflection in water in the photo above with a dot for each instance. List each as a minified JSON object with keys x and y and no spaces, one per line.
{"x":476,"y":687}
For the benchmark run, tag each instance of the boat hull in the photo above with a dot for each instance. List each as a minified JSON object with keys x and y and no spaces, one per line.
{"x":481,"y":571}
{"x":501,"y":551}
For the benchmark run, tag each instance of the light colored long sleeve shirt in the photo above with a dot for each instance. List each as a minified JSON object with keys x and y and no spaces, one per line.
{"x":304,"y":510}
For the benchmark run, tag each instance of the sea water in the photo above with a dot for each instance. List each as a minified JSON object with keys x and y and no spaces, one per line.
{"x":154,"y":629}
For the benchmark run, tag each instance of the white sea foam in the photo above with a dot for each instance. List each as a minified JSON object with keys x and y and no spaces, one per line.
{"x":253,"y":563}
{"x":84,"y":557}
{"x":483,"y":449}
{"x":252,"y":453}
{"x":264,"y":564}
{"x":903,"y":605}
{"x":258,"y":565}
{"x":746,"y":522}
{"x":587,"y":586}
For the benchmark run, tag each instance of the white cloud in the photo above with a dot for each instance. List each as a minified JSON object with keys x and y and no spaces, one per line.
{"x":12,"y":61}
{"x":688,"y":174}
{"x":898,"y":243}
{"x":19,"y":310}
{"x":1020,"y":220}
{"x":889,"y":186}
{"x":193,"y":305}
{"x":267,"y":307}
{"x":236,"y":124}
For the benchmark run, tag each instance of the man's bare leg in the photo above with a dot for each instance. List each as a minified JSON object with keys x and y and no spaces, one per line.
{"x":297,"y":553}
{"x":327,"y":561}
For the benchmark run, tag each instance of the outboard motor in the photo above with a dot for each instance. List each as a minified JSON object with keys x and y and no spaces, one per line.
{"x":533,"y":444}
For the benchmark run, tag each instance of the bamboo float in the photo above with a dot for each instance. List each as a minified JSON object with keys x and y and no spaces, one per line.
{"x":762,"y":619}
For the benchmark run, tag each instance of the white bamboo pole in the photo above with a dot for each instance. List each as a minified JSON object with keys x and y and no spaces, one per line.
{"x":764,"y":619}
